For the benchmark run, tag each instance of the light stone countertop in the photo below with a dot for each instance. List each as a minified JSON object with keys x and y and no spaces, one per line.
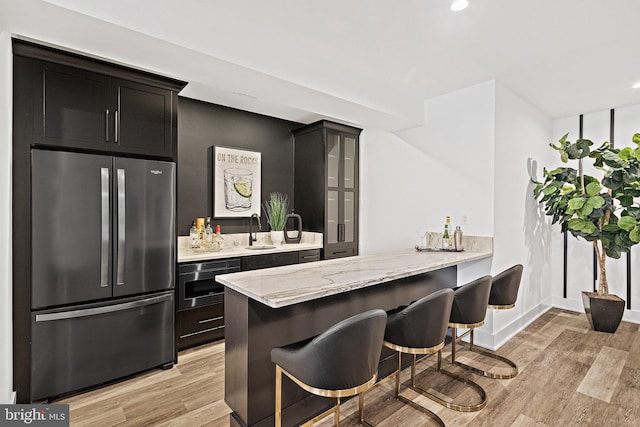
{"x":235,"y":245}
{"x":292,"y":284}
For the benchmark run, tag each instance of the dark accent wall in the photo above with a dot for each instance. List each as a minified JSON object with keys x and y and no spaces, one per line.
{"x":200,"y":127}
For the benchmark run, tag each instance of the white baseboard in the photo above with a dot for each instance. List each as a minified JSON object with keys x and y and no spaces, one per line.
{"x":494,"y":341}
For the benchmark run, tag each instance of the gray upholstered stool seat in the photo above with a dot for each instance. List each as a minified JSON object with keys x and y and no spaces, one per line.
{"x":468,"y":312}
{"x":420,"y":329}
{"x":504,"y":288}
{"x":340,"y":362}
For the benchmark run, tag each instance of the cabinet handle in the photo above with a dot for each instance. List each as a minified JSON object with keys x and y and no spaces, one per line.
{"x":106,"y":126}
{"x":212,"y":319}
{"x":201,"y":332}
{"x":340,"y":232}
{"x":115,"y":132}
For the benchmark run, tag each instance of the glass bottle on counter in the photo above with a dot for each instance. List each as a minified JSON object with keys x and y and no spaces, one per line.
{"x":219,"y":238}
{"x":208,"y":235}
{"x":445,"y":235}
{"x":194,"y":236}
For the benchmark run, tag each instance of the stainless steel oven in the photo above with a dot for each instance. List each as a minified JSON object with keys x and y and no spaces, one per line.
{"x":197,"y":285}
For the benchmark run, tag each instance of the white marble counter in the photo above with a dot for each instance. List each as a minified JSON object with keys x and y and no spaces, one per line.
{"x":292,"y":284}
{"x":235,"y":245}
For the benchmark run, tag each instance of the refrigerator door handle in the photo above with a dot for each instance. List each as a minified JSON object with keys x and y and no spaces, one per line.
{"x":121,"y":227}
{"x":73,"y":314}
{"x":104,"y":228}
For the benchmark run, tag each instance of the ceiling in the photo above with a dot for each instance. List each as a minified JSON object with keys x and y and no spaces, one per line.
{"x":367,"y":62}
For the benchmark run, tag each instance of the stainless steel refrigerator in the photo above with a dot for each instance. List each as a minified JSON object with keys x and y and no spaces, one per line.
{"x":103,"y":269}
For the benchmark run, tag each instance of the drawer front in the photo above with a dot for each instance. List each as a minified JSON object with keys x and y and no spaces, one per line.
{"x":256,"y":262}
{"x":310,"y":255}
{"x":200,"y":325}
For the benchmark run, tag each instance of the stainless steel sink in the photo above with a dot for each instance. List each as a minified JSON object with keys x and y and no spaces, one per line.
{"x":260,"y":247}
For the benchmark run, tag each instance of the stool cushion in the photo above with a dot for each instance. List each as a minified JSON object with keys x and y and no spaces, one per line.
{"x":422,"y":324}
{"x":344,"y":356}
{"x":504,"y":288}
{"x":470,"y":301}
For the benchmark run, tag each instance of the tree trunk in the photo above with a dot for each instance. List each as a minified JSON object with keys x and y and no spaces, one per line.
{"x":601,"y":255}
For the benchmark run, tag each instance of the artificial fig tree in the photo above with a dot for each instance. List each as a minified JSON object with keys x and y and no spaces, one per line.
{"x":603,"y":211}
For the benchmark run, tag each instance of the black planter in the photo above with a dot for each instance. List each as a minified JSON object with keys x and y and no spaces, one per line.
{"x":603,"y":311}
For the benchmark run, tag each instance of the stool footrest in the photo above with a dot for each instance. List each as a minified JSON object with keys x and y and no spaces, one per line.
{"x":422,"y":409}
{"x":489,"y":374}
{"x":451,"y":405}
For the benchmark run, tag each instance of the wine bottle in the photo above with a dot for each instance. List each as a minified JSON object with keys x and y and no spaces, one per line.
{"x":445,"y":235}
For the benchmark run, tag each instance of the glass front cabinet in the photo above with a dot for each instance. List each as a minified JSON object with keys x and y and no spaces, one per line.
{"x":326,"y":184}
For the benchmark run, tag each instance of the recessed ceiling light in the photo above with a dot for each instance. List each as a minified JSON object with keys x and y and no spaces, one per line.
{"x":636,"y":86}
{"x":459,"y":5}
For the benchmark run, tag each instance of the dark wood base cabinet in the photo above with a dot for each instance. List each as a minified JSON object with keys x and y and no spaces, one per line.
{"x":199,"y":325}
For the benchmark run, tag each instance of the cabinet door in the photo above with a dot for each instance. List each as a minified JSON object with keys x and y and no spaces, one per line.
{"x":349,"y":186}
{"x":143,"y":119}
{"x":71,"y":107}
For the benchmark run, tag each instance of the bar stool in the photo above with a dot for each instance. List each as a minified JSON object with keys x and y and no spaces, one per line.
{"x":504,"y":292}
{"x":421,"y":329}
{"x":469,"y":310}
{"x":340,"y":362}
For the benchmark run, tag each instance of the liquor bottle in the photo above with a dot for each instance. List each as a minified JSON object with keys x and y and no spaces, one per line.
{"x":194,"y":237}
{"x":445,"y":235}
{"x":208,"y":234}
{"x":219,"y":238}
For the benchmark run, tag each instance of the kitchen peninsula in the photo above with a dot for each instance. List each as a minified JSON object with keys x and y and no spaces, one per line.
{"x":280,"y":306}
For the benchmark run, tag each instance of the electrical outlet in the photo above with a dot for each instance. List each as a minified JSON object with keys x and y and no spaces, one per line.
{"x":464,"y":219}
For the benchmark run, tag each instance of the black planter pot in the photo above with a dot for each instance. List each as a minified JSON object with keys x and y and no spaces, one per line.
{"x":603,"y":311}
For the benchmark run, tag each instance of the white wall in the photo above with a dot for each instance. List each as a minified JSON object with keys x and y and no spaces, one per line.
{"x":596,"y":127}
{"x":473,"y":156}
{"x":411,"y":181}
{"x":522,"y":233}
{"x":6,"y":346}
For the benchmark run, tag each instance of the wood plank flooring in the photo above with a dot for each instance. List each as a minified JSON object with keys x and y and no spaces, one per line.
{"x":569,"y":376}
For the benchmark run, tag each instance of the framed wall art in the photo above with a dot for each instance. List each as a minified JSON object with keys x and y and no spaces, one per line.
{"x":236,"y":182}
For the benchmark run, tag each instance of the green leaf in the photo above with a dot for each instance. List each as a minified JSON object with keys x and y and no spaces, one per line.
{"x":636,"y":153}
{"x":593,"y":188}
{"x":563,"y":140}
{"x":627,"y":223}
{"x":635,"y":138}
{"x":626,"y":153}
{"x":564,"y":157}
{"x":595,"y":202}
{"x":577,"y":223}
{"x":586,"y":210}
{"x":611,"y":227}
{"x":549,"y":190}
{"x":588,"y":228}
{"x":577,"y":203}
{"x":625,"y":201}
{"x":635,"y":233}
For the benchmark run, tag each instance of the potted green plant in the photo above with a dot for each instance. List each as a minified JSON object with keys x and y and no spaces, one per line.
{"x":275,"y":209}
{"x":603,"y":211}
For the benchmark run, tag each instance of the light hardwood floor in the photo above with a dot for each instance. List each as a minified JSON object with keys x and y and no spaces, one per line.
{"x":569,"y":375}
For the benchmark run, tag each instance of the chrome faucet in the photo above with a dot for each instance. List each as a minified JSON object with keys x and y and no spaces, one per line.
{"x":251,"y":234}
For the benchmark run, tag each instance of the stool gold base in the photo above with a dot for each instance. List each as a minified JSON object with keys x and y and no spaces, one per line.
{"x":337,"y":394}
{"x":455,"y":339}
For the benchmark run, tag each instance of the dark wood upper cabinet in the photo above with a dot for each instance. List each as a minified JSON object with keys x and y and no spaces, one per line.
{"x":142,"y":118}
{"x":326,"y":184}
{"x":90,"y":105}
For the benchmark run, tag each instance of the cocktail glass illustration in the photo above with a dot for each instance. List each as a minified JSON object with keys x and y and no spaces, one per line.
{"x":238,"y":189}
